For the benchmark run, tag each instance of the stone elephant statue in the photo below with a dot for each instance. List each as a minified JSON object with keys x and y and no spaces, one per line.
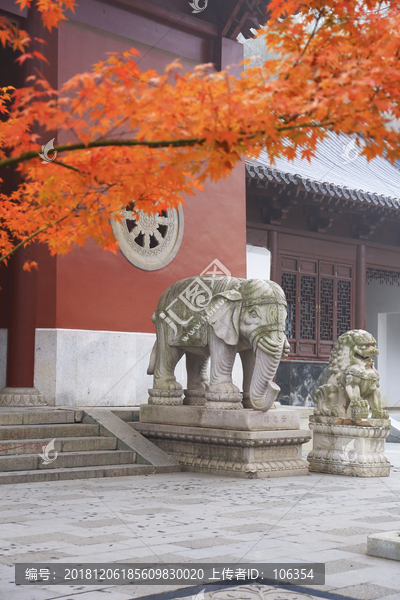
{"x":217,"y":317}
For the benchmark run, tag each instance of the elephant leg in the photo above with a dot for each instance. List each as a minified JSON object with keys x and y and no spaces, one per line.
{"x":166,"y":360}
{"x":248,"y":361}
{"x":222,"y":359}
{"x":197,"y":379}
{"x":196,"y":367}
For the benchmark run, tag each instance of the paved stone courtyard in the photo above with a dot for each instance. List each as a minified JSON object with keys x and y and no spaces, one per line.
{"x":203,"y":518}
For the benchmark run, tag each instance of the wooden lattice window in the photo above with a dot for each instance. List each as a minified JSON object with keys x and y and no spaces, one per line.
{"x":320,"y":304}
{"x":343,"y":306}
{"x":326,"y":312}
{"x":307,"y":307}
{"x":289,"y":285}
{"x":383,"y":276}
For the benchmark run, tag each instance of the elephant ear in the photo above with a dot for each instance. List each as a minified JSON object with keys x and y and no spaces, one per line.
{"x":223,"y":314}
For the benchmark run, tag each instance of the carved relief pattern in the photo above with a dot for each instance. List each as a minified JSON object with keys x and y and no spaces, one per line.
{"x":149,"y":241}
{"x":383,"y":276}
{"x":257,"y":592}
{"x":16,"y":397}
{"x":150,"y":234}
{"x":326,"y":314}
{"x":289,"y":287}
{"x":230,"y":441}
{"x":343,"y":306}
{"x":307,"y":307}
{"x":224,"y":465}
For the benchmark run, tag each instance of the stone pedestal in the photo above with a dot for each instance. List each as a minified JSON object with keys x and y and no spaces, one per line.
{"x":237,"y":443}
{"x":164,"y":398}
{"x":194,"y":397}
{"x":344,"y":446}
{"x":26,"y":396}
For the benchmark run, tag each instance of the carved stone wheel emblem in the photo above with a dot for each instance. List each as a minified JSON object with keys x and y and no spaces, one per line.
{"x":149,"y":241}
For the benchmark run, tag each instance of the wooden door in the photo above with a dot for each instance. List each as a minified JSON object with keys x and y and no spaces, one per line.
{"x":320,"y":304}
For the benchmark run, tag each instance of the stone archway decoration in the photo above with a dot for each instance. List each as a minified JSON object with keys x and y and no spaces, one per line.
{"x":149,"y":241}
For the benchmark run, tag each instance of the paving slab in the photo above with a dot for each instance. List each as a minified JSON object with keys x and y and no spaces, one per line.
{"x":191,"y":517}
{"x":385,"y":545}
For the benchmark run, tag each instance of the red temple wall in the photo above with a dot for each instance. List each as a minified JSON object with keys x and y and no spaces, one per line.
{"x":97,"y":290}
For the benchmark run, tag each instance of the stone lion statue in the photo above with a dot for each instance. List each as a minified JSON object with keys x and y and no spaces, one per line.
{"x":353,"y":387}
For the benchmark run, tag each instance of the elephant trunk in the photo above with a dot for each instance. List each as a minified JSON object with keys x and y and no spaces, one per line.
{"x":262,"y":390}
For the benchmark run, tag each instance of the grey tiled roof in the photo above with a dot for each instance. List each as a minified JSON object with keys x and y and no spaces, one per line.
{"x":336,"y":170}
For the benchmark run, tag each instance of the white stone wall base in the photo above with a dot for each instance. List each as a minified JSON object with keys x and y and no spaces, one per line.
{"x":76,"y":367}
{"x":356,"y":449}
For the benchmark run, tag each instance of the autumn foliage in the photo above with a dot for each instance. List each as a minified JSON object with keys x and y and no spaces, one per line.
{"x":124,"y":134}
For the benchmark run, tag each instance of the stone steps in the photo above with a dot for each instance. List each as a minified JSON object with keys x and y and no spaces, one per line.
{"x":32,"y":476}
{"x":85,"y":447}
{"x":73,"y":444}
{"x":41,"y":417}
{"x":39,"y":431}
{"x":67,"y":460}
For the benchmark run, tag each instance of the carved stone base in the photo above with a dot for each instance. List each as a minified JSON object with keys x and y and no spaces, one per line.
{"x":21,"y":397}
{"x":165,"y":398}
{"x":210,"y":405}
{"x":194,"y":398}
{"x":242,"y":420}
{"x":217,"y":401}
{"x":349,"y":447}
{"x":245,"y":454}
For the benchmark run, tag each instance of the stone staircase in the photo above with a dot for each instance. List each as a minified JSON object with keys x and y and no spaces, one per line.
{"x":394,"y":415}
{"x":85,"y":447}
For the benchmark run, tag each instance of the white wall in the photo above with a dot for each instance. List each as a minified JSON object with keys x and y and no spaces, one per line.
{"x":381,"y":298}
{"x":381,"y":362}
{"x":383,"y":321}
{"x":393,"y":360}
{"x":74,"y":367}
{"x":258,"y":262}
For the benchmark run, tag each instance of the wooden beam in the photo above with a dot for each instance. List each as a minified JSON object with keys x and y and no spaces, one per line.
{"x":232,"y":15}
{"x":167,"y":15}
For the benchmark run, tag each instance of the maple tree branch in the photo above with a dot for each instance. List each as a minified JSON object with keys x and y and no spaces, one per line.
{"x":56,"y":162}
{"x":179,"y":143}
{"x":33,"y":235}
{"x":312,"y":34}
{"x":31,"y":155}
{"x":314,"y":125}
{"x":41,"y":229}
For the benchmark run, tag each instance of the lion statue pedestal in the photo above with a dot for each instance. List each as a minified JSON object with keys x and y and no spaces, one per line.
{"x":346,"y":440}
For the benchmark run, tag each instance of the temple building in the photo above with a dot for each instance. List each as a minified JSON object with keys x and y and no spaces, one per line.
{"x":78,"y":331}
{"x":332,"y":229}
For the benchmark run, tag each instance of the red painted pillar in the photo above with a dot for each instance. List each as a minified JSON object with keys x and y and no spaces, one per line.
{"x":273,"y":247}
{"x":21,"y":334}
{"x":19,"y":388}
{"x":361,"y":288}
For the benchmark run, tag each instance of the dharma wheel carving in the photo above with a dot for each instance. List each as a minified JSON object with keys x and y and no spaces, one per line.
{"x":149,"y":241}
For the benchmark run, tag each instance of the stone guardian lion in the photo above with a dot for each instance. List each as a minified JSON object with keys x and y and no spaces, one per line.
{"x":353,"y":387}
